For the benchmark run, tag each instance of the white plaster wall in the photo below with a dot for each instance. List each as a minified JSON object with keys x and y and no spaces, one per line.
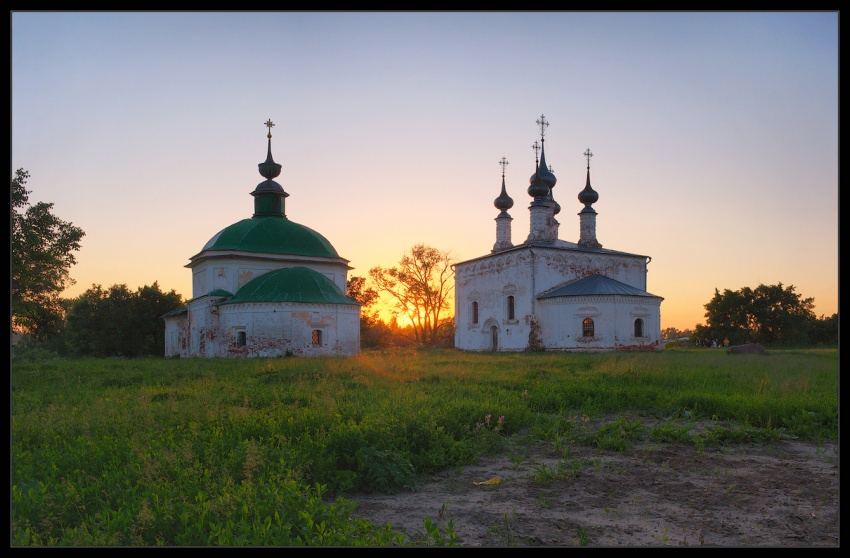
{"x":203,"y":326}
{"x":561,"y":320}
{"x":527,"y":272}
{"x":275,"y":329}
{"x":489,"y":282}
{"x":561,"y":266}
{"x":177,"y":336}
{"x":231,"y":274}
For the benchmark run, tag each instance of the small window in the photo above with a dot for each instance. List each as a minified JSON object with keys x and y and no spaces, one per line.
{"x":241,"y":338}
{"x":317,"y":337}
{"x":510,"y":307}
{"x":587,"y":329}
{"x":638,"y":328}
{"x":475,"y":312}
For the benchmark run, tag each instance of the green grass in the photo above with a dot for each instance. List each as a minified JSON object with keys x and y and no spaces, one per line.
{"x":202,"y":452}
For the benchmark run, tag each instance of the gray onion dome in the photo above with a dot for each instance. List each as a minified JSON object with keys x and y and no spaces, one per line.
{"x":504,"y":201}
{"x":588,"y":195}
{"x":545,"y":174}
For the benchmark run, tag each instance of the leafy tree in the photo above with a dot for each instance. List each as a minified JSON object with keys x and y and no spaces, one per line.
{"x":373,"y":332}
{"x":421,"y":287}
{"x":824,"y":330}
{"x":42,"y":255}
{"x":768,"y":314}
{"x":118,"y":322}
{"x":672,"y":334}
{"x":366,"y":296}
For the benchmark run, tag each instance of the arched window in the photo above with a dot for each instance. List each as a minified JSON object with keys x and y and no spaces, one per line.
{"x":510,"y":307}
{"x":638,"y":328}
{"x":317,"y":337}
{"x":587,"y":329}
{"x":475,"y":312}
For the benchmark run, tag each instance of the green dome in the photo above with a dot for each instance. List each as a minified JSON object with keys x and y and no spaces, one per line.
{"x":274,"y":235}
{"x":219,"y":292}
{"x":293,"y":284}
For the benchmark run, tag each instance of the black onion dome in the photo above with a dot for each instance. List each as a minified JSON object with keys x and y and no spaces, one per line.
{"x":545,"y":174}
{"x":504,"y":201}
{"x":269,"y":169}
{"x":537,"y":188}
{"x":588,"y":195}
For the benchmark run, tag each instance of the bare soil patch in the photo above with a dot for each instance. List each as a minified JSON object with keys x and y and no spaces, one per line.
{"x":783,"y":494}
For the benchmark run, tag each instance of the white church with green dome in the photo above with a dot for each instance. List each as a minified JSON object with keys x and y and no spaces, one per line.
{"x":266,"y":286}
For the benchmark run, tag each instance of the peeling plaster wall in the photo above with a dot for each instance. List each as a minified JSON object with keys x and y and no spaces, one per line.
{"x":177,"y":336}
{"x":274,"y":329}
{"x":271,"y":329}
{"x":203,"y":328}
{"x":529,"y":271}
{"x":490,"y":282}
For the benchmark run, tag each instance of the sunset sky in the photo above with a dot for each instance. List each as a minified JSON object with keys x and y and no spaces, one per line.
{"x":714,"y":136}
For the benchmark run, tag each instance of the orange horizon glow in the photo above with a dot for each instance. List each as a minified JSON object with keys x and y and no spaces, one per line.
{"x":712,"y":154}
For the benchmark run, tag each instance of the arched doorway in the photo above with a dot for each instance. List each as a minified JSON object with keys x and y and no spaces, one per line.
{"x":494,"y":338}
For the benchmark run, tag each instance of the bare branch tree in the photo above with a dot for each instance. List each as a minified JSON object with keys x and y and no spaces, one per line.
{"x":421,"y":285}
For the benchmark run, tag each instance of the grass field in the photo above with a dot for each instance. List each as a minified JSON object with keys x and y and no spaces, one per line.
{"x":200,"y":452}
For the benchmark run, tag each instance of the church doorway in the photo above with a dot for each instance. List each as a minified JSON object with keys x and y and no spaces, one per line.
{"x":494,"y":338}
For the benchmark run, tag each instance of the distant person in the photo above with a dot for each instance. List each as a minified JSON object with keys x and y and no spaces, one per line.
{"x":726,"y":342}
{"x":714,"y":344}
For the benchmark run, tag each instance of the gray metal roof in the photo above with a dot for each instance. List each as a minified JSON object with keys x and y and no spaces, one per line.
{"x":556,"y":244}
{"x":595,"y":285}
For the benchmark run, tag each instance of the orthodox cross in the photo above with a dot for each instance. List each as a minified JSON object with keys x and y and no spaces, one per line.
{"x":536,"y":148}
{"x":269,"y":125}
{"x":543,"y":124}
{"x":504,"y":163}
{"x":588,"y":154}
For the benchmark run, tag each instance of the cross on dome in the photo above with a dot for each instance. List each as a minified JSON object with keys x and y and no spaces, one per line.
{"x":543,"y":125}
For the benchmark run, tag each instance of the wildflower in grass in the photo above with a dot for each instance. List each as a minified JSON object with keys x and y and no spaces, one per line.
{"x":487,"y":423}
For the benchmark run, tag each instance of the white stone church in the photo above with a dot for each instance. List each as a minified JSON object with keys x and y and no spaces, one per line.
{"x":551,"y":294}
{"x":266,"y":286}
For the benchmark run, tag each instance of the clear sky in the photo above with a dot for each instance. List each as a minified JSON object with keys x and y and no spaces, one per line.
{"x":714,"y":135}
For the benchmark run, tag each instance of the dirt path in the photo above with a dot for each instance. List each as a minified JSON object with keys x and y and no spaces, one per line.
{"x":784,"y":494}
